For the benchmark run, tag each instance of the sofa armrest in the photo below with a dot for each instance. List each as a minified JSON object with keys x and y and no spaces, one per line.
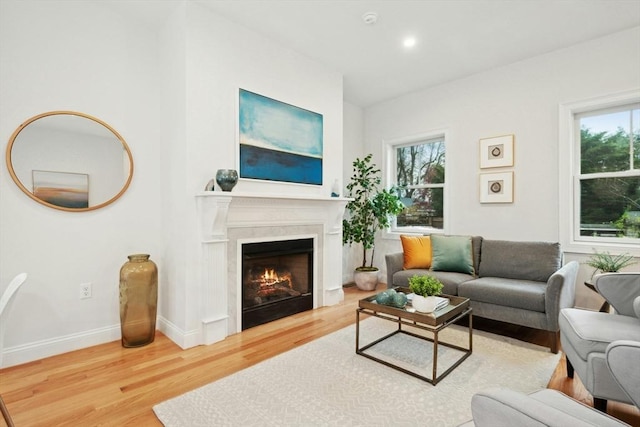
{"x":499,"y":407}
{"x":560,"y":292}
{"x":623,"y":360}
{"x":394,"y":262}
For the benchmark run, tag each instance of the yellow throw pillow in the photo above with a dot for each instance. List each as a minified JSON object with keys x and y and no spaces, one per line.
{"x":417,"y":251}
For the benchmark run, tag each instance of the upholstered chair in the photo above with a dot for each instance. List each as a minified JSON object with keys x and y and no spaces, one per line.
{"x":6,"y":301}
{"x":500,"y":407}
{"x":585,"y":335}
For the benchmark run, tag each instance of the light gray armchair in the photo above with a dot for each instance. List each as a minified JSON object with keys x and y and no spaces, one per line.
{"x":586,"y":335}
{"x":499,"y":407}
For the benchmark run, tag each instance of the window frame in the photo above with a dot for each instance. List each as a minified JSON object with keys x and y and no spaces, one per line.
{"x":389,"y":150}
{"x":570,"y":175}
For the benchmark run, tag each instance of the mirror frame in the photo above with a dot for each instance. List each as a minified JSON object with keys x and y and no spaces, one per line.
{"x":25,"y":190}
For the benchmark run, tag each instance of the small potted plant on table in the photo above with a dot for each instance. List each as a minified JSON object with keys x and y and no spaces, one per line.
{"x":425,"y":289}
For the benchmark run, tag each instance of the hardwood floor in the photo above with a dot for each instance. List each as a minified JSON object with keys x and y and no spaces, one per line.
{"x":108,"y":385}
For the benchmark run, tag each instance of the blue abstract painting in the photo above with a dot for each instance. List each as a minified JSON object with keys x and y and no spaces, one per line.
{"x":279,"y":141}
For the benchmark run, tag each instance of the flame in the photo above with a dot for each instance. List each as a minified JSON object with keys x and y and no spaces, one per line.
{"x":270,"y":277}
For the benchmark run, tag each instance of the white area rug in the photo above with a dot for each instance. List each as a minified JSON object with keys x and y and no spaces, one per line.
{"x":324,"y":383}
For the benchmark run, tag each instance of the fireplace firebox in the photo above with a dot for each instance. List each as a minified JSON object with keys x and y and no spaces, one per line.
{"x":277,"y":280}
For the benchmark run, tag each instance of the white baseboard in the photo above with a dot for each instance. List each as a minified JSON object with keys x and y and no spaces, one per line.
{"x":46,"y":348}
{"x":184,"y":339}
{"x":25,"y":353}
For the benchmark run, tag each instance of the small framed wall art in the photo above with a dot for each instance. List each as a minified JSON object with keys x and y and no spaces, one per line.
{"x":496,"y":187}
{"x":496,"y":152}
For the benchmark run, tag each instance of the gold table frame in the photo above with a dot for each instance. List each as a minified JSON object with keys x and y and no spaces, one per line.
{"x":434,"y":322}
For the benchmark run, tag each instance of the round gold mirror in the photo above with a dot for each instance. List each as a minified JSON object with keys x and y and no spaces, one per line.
{"x":69,"y":161}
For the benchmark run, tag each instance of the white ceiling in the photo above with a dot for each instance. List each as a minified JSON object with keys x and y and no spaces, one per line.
{"x":455,"y":38}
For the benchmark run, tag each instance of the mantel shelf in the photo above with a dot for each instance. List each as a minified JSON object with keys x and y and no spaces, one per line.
{"x":241,"y":195}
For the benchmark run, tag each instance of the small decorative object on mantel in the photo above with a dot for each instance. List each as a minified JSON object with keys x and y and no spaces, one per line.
{"x":210,"y":185}
{"x":138,"y":300}
{"x":425,"y":289}
{"x":227,"y":179}
{"x":335,"y":189}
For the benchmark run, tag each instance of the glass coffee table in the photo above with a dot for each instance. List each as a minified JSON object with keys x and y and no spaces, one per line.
{"x":435,"y":322}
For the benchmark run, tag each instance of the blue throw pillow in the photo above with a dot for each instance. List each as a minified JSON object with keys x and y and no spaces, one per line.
{"x":452,"y":253}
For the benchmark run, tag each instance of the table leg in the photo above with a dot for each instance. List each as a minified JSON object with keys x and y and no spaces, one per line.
{"x":435,"y":357}
{"x":470,"y":332}
{"x":357,"y":330}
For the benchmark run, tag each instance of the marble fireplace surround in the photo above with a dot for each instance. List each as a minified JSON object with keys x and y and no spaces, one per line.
{"x":229,"y":219}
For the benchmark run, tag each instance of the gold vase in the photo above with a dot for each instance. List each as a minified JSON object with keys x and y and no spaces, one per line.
{"x":138,"y":300}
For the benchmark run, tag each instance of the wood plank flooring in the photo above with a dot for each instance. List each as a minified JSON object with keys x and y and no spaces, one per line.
{"x":108,"y":385}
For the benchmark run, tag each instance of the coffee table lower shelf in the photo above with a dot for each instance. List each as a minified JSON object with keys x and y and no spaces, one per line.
{"x":435,"y":330}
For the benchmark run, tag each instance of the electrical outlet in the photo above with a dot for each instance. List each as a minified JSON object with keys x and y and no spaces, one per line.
{"x":85,"y":290}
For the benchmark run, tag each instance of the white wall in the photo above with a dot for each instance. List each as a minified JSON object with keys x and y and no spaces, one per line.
{"x":219,"y":58}
{"x":353,"y":148}
{"x":76,"y":56}
{"x":521,"y":99}
{"x":171,"y":93}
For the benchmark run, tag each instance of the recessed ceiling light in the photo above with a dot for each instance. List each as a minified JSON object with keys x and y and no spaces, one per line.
{"x":409,"y":42}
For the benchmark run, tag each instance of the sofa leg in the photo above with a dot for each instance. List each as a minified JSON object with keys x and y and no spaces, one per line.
{"x":569,"y":367}
{"x":600,"y":404}
{"x":554,"y":338}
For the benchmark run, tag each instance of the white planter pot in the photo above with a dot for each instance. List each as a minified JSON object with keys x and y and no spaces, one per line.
{"x":424,"y":304}
{"x":366,"y":280}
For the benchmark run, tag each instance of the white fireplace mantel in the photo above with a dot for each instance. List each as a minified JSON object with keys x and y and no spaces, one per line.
{"x":265,"y":215}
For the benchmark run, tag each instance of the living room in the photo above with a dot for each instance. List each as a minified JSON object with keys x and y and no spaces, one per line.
{"x":170,"y":89}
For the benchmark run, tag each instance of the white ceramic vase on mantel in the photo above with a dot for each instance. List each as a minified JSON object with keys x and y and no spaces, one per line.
{"x":424,"y":304}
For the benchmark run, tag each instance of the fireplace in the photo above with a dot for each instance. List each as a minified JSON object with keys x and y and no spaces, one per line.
{"x":277,"y":280}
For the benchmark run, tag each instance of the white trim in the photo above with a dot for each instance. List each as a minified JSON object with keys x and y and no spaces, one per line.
{"x":37,"y":350}
{"x":568,"y":187}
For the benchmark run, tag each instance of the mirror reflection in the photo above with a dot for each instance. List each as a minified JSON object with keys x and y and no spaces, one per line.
{"x":69,"y":161}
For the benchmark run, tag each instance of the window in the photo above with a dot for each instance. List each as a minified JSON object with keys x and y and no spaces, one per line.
{"x":606,"y":199}
{"x":418,"y":166}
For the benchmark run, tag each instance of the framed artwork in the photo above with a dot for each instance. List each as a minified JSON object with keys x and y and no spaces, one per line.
{"x":496,"y":187}
{"x":278,"y":141}
{"x":65,"y":189}
{"x":496,"y":152}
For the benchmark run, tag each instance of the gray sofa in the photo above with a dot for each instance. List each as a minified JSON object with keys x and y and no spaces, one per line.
{"x":523,"y":283}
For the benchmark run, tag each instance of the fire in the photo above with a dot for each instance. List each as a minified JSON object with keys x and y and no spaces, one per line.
{"x":271,"y":278}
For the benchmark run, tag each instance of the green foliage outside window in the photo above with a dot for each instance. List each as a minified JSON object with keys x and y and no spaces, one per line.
{"x":420,"y":172}
{"x":610,"y":177}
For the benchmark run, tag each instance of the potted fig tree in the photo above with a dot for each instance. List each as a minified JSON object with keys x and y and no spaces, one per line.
{"x":370,"y":210}
{"x":425,"y":289}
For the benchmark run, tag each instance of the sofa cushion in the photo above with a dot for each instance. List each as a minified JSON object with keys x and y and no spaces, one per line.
{"x":589,"y":331}
{"x":519,"y":260}
{"x":449,"y":279}
{"x":416,"y":251}
{"x":452,"y":253}
{"x":523,"y":294}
